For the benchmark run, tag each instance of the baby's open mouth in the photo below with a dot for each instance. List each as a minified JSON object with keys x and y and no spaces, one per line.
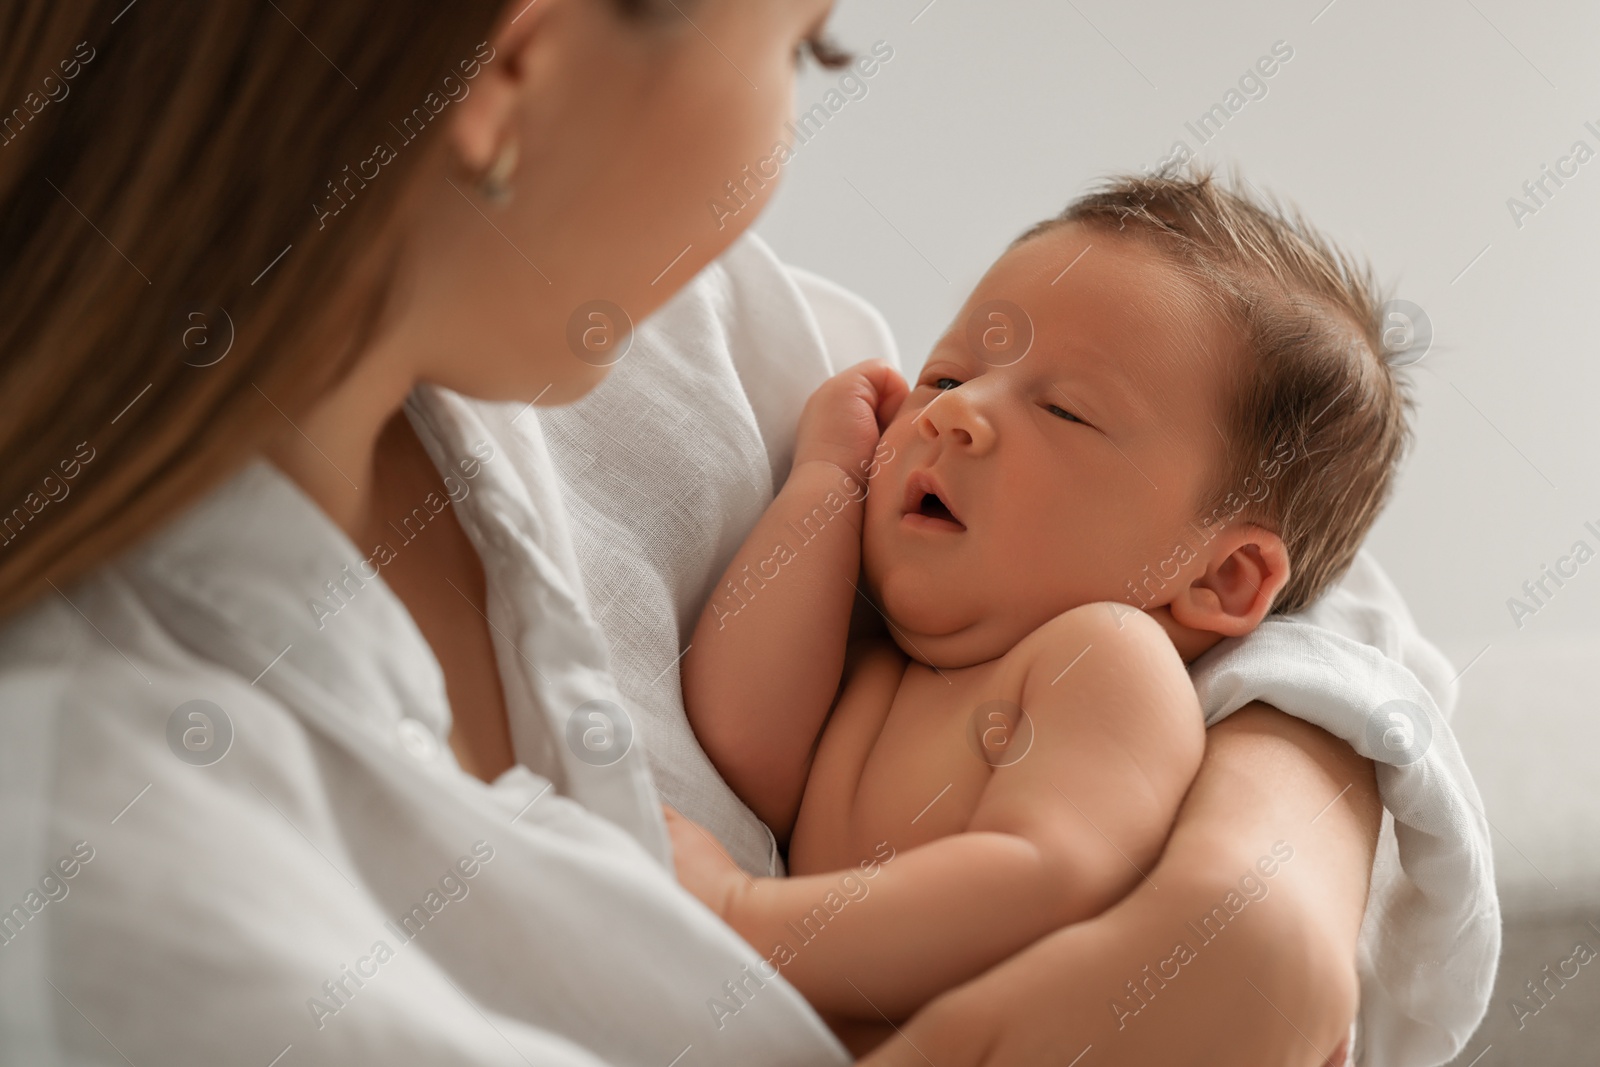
{"x":925,"y":505}
{"x":934,"y":508}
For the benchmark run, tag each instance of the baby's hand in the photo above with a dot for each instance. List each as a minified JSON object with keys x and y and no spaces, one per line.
{"x":845,"y":417}
{"x":704,"y":867}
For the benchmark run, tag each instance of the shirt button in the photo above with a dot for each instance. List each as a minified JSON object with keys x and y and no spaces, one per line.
{"x":418,"y":740}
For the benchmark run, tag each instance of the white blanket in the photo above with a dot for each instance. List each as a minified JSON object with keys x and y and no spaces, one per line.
{"x":669,"y":463}
{"x":1355,"y":665}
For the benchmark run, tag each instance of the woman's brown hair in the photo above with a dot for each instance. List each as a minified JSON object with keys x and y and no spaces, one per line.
{"x":178,"y":181}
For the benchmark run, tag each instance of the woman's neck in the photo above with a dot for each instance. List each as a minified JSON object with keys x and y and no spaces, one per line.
{"x":331,"y":452}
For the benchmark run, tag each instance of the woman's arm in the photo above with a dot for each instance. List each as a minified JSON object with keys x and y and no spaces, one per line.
{"x":1122,"y":732}
{"x":1273,"y":982}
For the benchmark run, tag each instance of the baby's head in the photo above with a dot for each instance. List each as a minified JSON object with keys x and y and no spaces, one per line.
{"x":1170,"y":396}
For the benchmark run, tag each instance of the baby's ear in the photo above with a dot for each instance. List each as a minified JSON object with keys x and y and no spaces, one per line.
{"x":1245,"y":569}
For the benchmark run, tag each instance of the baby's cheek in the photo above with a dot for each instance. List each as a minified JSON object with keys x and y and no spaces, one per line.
{"x":1025,"y":547}
{"x":899,"y":427}
{"x":878,"y":505}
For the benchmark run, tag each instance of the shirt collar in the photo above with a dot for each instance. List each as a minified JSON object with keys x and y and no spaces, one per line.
{"x":258,"y":578}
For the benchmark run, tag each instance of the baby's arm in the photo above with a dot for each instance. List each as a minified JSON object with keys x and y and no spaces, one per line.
{"x":764,"y":664}
{"x":1056,"y":838}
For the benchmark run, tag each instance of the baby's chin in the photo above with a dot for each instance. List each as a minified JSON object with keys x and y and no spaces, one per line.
{"x":967,"y":647}
{"x":948,"y":628}
{"x":937,"y":633}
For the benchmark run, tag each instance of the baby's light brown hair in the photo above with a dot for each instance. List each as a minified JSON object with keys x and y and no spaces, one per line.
{"x":1313,"y":373}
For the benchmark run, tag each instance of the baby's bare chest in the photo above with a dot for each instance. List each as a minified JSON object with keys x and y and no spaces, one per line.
{"x":905,"y":757}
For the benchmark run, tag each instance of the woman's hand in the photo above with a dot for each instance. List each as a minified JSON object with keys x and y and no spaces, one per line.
{"x":844,"y":418}
{"x":703,"y":866}
{"x":1276,"y":985}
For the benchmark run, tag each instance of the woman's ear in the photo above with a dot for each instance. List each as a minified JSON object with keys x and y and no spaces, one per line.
{"x":1245,"y":569}
{"x":481,"y":121}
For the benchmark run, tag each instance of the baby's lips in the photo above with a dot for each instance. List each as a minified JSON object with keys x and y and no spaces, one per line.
{"x":922,"y":483}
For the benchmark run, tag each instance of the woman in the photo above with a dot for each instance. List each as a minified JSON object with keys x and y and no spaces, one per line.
{"x":254,"y":231}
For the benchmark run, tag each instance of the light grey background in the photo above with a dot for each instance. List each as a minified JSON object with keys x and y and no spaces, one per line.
{"x":1402,"y":129}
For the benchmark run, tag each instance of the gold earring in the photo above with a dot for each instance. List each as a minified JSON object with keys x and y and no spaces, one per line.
{"x":495,"y":183}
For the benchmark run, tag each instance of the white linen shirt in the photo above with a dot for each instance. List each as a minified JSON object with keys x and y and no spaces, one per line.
{"x":329,"y":886}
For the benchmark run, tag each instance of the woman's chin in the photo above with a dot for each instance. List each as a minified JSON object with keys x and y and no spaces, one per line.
{"x":567,"y":391}
{"x":563,"y":386}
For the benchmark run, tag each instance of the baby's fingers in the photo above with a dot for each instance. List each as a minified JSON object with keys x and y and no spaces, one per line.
{"x":888,"y":386}
{"x":890,"y":398}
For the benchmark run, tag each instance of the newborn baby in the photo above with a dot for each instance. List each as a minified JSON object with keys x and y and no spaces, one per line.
{"x":1161,"y":416}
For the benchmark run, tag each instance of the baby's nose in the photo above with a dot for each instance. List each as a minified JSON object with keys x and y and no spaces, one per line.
{"x":955,"y":418}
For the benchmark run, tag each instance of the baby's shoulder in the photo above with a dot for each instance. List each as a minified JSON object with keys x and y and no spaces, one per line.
{"x":1105,"y":678}
{"x":1094,"y":650}
{"x":1114,"y":629}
